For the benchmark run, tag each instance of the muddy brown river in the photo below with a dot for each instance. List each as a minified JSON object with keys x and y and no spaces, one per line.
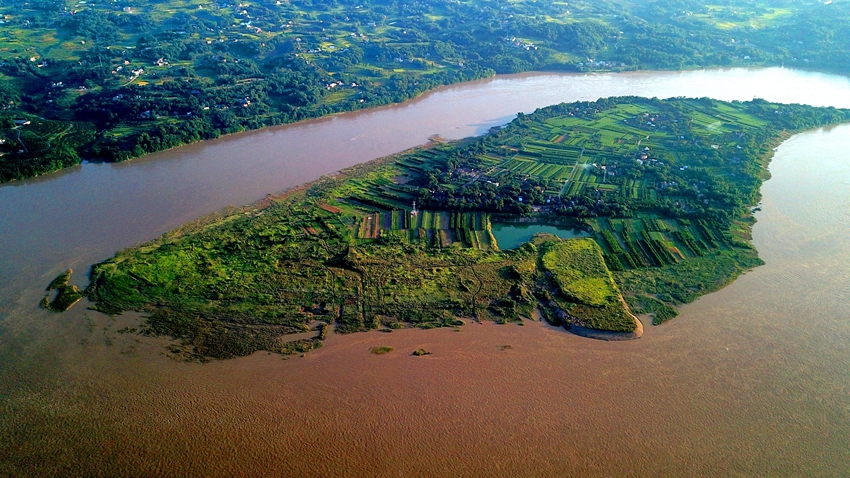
{"x":753,"y":380}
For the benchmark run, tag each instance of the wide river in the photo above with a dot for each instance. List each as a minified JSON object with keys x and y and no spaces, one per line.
{"x":751,"y":380}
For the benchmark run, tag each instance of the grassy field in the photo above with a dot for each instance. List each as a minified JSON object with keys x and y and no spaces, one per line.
{"x":587,"y":295}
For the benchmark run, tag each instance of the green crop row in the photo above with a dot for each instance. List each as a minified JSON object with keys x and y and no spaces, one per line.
{"x":612,"y":242}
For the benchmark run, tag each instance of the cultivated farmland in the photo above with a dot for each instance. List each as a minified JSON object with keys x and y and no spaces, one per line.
{"x":665,"y":188}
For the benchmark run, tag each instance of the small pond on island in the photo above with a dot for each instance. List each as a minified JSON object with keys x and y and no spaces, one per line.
{"x":510,"y":235}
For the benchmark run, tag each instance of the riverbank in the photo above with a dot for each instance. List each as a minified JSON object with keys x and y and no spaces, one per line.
{"x":609,"y":336}
{"x":127,"y":155}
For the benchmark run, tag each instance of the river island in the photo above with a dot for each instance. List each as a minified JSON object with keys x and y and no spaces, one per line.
{"x":663,"y":190}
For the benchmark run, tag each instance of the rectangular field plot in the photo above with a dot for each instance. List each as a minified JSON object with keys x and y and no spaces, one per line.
{"x":433,"y":228}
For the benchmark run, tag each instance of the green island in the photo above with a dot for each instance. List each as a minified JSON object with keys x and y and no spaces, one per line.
{"x":114,"y":80}
{"x":664,"y":190}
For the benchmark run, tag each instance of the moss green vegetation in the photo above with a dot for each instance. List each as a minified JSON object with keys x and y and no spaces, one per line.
{"x":578,"y":270}
{"x":120,"y":79}
{"x":66,"y":295}
{"x":665,"y":188}
{"x":587,"y":295}
{"x":384,"y":349}
{"x":660,"y":310}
